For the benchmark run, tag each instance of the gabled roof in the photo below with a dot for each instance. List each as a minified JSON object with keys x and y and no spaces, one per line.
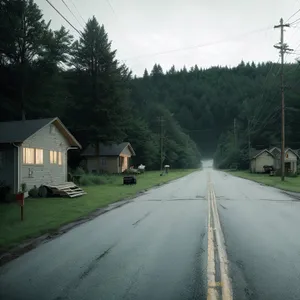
{"x":108,"y":150}
{"x":285,"y":150}
{"x":294,"y":151}
{"x":275,"y":148}
{"x":256,"y":153}
{"x":19,"y":131}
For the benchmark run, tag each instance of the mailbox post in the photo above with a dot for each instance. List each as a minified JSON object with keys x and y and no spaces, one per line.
{"x":20,"y":200}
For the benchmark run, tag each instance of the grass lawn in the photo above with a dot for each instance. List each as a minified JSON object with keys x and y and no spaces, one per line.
{"x":47,"y":215}
{"x":291,"y":184}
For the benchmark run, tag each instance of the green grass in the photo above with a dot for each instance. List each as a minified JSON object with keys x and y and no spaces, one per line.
{"x":291,"y":184}
{"x":47,"y":215}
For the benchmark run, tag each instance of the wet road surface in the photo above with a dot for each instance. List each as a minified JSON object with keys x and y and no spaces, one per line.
{"x":156,"y":247}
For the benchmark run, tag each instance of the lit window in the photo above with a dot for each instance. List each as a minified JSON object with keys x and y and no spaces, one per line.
{"x":53,"y":157}
{"x":59,"y":158}
{"x":39,"y":156}
{"x":28,"y":156}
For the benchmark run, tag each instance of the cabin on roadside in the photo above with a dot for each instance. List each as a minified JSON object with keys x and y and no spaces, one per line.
{"x":111,"y":158}
{"x":35,"y":153}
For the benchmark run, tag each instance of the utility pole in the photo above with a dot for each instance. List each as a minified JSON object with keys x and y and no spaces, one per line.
{"x":283,"y":49}
{"x":161,"y":142}
{"x":249,"y":141}
{"x":234,"y":131}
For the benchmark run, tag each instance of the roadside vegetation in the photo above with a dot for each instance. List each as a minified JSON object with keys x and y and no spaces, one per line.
{"x":46,"y":215}
{"x":291,"y":184}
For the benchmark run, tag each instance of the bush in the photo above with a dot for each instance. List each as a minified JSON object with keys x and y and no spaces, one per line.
{"x":79,"y":171}
{"x":131,"y":171}
{"x":90,"y":179}
{"x":34,"y":192}
{"x":96,"y":179}
{"x":85,"y":180}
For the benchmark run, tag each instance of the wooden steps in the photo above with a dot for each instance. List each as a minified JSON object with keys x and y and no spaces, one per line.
{"x":69,"y":189}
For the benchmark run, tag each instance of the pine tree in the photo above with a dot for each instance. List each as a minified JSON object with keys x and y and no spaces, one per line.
{"x":102,"y":102}
{"x":24,"y":35}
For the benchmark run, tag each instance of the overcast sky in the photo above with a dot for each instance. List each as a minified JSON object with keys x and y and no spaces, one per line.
{"x":167,"y":32}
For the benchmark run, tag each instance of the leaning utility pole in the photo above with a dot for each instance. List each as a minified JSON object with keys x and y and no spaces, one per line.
{"x":283,"y":48}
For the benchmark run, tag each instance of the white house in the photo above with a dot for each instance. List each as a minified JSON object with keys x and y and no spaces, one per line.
{"x":259,"y":159}
{"x":272,"y":157}
{"x":34,"y":152}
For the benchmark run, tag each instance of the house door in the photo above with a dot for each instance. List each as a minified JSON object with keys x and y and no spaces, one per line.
{"x":287,"y":167}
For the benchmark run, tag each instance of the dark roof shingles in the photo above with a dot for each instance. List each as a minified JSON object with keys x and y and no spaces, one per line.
{"x":106,"y":150}
{"x":19,"y":131}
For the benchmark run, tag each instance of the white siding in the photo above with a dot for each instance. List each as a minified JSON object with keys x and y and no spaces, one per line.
{"x":263,"y":159}
{"x":46,"y":173}
{"x":292,"y":158}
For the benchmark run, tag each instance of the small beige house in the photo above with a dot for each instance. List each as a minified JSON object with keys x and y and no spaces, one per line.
{"x":112,"y":158}
{"x":34,"y":152}
{"x":259,"y":159}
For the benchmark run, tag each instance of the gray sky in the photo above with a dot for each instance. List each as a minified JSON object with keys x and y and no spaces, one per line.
{"x":146,"y":32}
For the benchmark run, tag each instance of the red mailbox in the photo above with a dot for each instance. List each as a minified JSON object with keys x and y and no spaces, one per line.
{"x":20,"y":198}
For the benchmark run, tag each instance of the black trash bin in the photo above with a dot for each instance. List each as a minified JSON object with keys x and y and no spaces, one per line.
{"x":129,"y":179}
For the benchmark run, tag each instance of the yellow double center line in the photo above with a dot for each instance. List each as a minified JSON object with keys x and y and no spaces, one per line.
{"x":216,"y":244}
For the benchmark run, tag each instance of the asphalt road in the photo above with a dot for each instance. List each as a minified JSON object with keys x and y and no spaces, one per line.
{"x":156,"y":247}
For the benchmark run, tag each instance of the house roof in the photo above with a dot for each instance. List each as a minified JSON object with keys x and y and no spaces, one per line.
{"x":275,"y":148}
{"x":108,"y":150}
{"x":285,"y":150}
{"x":19,"y":131}
{"x":256,"y":153}
{"x":294,"y":151}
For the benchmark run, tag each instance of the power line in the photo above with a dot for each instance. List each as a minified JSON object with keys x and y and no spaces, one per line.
{"x":63,"y":17}
{"x":78,"y":11}
{"x":66,"y":5}
{"x":111,"y":7}
{"x":294,"y":22}
{"x":261,"y":106}
{"x":293,"y":15}
{"x":201,"y":45}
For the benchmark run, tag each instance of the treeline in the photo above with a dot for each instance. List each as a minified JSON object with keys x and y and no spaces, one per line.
{"x":220,"y":111}
{"x":228,"y":111}
{"x":46,"y":73}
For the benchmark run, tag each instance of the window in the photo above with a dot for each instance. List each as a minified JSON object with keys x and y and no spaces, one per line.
{"x":59,"y":158}
{"x":53,"y":157}
{"x":39,"y":156}
{"x":28,"y":156}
